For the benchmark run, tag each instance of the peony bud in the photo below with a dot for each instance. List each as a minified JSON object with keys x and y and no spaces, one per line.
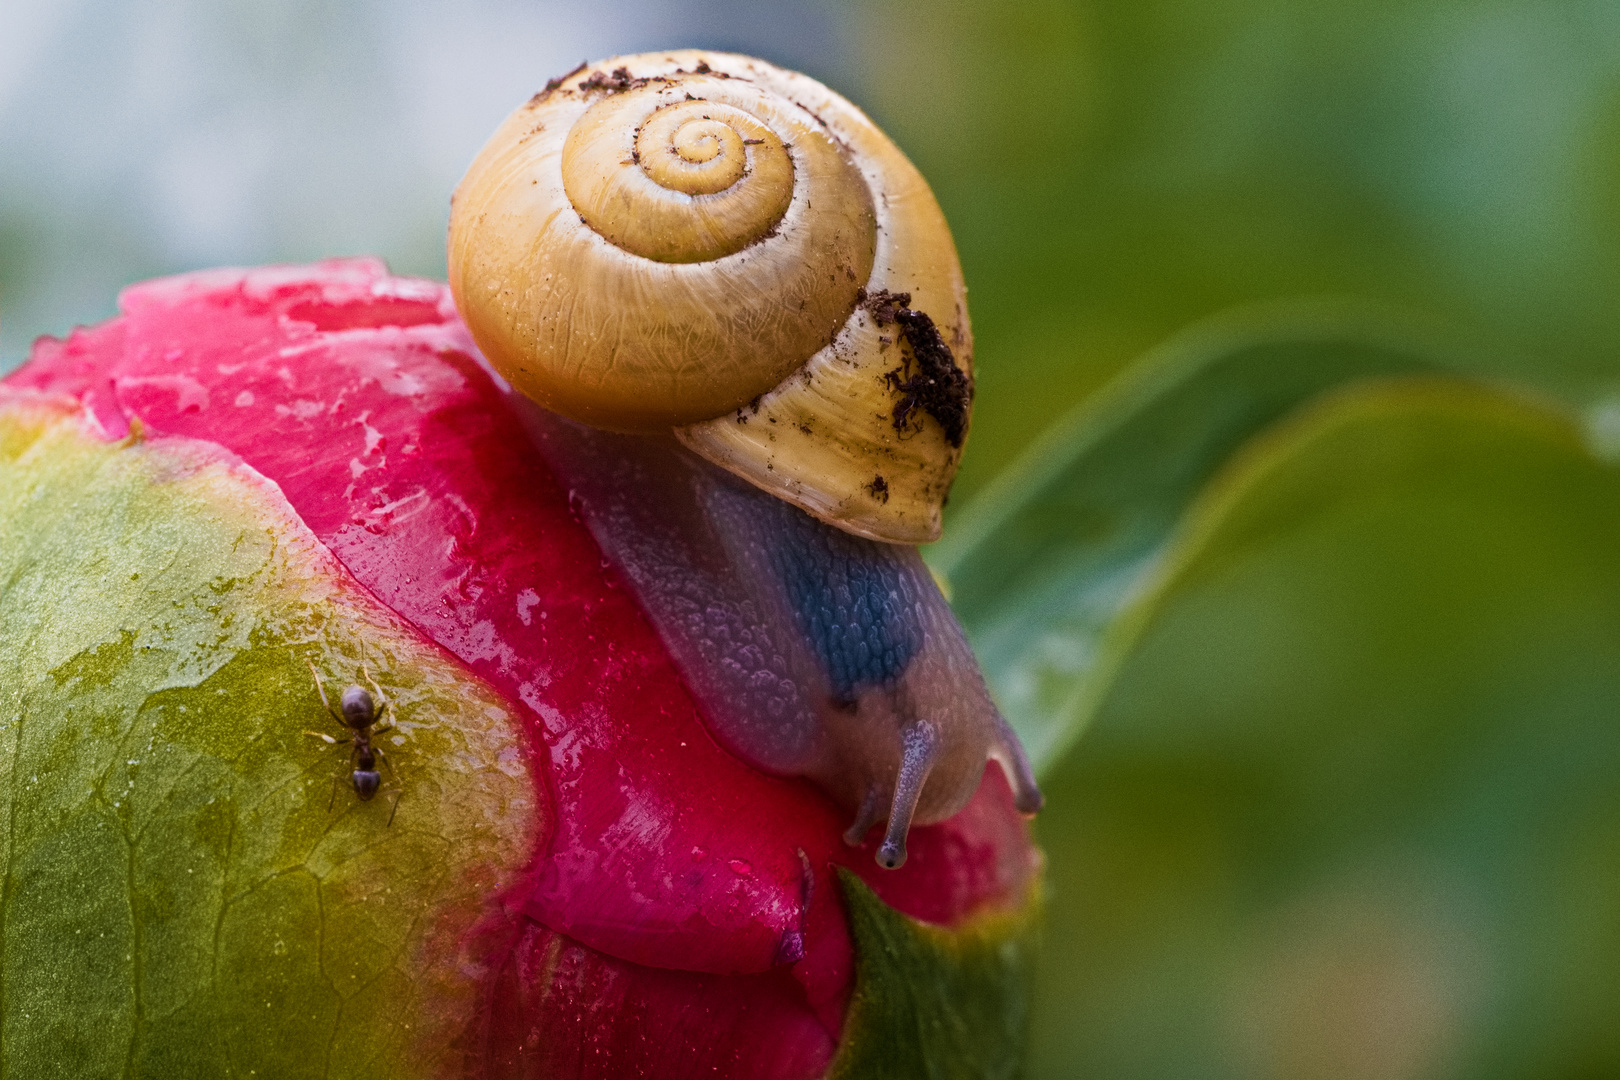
{"x":249,"y":477}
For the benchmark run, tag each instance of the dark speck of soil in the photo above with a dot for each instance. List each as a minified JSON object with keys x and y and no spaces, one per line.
{"x":750,"y":409}
{"x":552,"y":84}
{"x":929,"y":378}
{"x":879,"y":488}
{"x":616,"y":83}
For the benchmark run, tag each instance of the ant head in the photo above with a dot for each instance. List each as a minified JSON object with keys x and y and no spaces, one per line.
{"x":366,"y":783}
{"x":358,"y":708}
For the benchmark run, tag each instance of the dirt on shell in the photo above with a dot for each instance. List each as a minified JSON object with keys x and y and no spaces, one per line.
{"x":928,"y":378}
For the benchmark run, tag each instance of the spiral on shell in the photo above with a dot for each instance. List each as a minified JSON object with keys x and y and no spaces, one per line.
{"x":705,"y":180}
{"x":707,"y":243}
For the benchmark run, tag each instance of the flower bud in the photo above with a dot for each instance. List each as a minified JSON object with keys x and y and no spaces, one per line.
{"x":255,"y":490}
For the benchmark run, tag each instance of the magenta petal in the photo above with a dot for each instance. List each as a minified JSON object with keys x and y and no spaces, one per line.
{"x":559,"y":1010}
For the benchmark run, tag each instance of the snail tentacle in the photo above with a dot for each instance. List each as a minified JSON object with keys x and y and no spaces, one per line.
{"x":921,"y":746}
{"x":1015,"y":763}
{"x":865,"y":817}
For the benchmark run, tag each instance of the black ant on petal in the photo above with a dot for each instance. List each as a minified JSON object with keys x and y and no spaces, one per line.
{"x":359,"y":713}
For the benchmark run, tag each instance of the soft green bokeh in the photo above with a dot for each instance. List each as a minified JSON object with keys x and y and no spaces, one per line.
{"x":1348,"y":808}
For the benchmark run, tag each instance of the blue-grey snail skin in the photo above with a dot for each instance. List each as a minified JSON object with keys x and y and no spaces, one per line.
{"x":737,"y":317}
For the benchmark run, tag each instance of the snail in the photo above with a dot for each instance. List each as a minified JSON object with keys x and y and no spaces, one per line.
{"x":734,"y":321}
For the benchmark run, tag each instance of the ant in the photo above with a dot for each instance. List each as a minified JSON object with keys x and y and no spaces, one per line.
{"x":359,"y":713}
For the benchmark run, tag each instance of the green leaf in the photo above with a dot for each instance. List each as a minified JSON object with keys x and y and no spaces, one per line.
{"x":178,"y":900}
{"x":1350,"y":806}
{"x":932,"y":1003}
{"x":1047,"y":557}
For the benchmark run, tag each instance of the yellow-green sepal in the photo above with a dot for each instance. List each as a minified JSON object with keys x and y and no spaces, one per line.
{"x":190,"y":886}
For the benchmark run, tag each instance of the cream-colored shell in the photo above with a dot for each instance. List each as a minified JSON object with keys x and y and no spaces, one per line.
{"x":705,"y":242}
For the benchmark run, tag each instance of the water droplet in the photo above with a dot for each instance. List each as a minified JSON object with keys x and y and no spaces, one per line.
{"x":741,"y":868}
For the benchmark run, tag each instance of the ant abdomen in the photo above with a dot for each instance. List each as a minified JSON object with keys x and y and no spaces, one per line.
{"x":366,"y":783}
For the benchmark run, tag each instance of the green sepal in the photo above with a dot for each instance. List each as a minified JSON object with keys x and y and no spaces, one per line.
{"x":932,"y":1003}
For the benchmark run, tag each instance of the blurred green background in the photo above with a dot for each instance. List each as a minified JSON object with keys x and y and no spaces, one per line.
{"x":1347,"y":653}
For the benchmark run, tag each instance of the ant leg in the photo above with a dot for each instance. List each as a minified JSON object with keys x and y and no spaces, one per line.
{"x":381,"y":698}
{"x":324,"y":737}
{"x":320,"y":689}
{"x":336,"y":780}
{"x":393,"y":773}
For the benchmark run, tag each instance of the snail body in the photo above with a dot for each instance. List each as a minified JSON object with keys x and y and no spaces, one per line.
{"x":813,"y":652}
{"x":740,"y":312}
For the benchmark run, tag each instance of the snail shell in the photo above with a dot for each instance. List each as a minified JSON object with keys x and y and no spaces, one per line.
{"x":706,"y":243}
